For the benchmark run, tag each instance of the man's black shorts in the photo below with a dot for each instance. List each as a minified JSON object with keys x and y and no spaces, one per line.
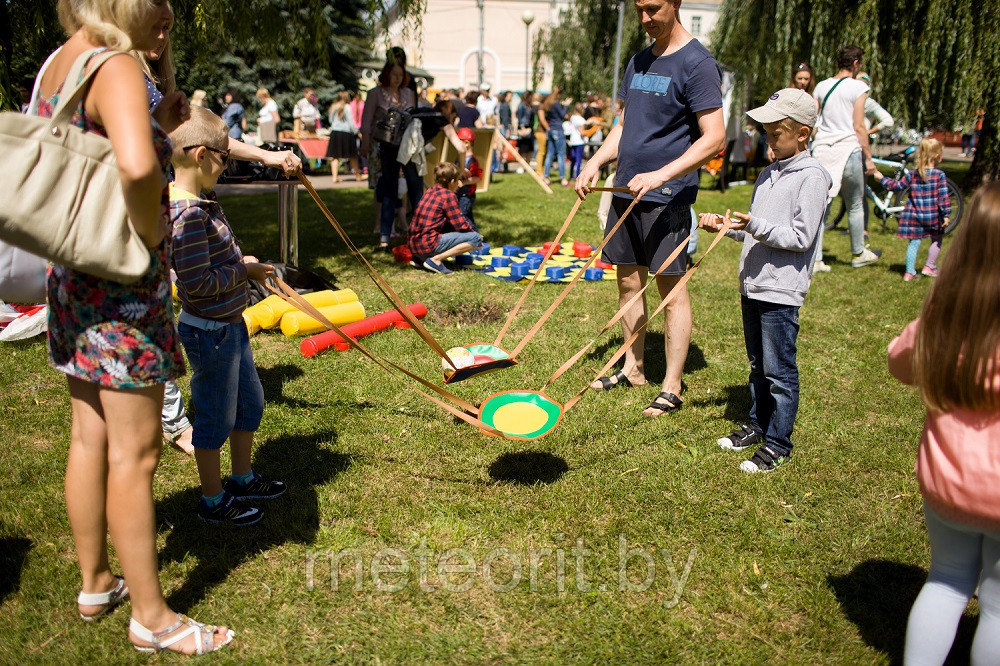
{"x":651,"y":232}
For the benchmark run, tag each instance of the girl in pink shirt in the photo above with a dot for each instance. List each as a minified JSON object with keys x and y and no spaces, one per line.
{"x":952,"y":354}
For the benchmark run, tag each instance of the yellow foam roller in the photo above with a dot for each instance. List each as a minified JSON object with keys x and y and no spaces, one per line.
{"x":299,"y":323}
{"x":268,"y":313}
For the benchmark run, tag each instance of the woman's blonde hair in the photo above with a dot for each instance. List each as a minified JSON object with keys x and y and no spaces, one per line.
{"x":161,"y":70}
{"x":339,"y":102}
{"x":111,"y":23}
{"x":957,"y":357}
{"x":929,"y":149}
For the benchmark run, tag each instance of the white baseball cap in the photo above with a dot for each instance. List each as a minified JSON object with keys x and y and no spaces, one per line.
{"x":484,"y":86}
{"x":787,"y":103}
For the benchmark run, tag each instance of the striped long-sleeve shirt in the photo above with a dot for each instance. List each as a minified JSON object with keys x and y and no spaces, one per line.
{"x":211,"y":275}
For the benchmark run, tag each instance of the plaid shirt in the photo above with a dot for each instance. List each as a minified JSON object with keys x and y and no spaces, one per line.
{"x":437,"y":212}
{"x":926,"y":206}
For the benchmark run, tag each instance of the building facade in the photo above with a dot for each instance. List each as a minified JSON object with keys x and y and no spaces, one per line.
{"x":445,"y":42}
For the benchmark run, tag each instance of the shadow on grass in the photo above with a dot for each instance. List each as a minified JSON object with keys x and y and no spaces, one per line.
{"x":736,"y":398}
{"x":654,"y":360}
{"x":527,"y":468}
{"x":303,"y":461}
{"x":877,"y":596}
{"x":13,"y":552}
{"x":273,"y":380}
{"x":897,"y":268}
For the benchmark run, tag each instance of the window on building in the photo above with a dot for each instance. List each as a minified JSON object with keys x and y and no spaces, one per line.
{"x":696,"y":26}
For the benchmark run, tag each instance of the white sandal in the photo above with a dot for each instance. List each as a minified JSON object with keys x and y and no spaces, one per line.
{"x":106,"y":599}
{"x":204,"y":636}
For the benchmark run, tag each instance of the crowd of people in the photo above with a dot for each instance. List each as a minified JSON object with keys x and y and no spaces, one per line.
{"x":119,"y":357}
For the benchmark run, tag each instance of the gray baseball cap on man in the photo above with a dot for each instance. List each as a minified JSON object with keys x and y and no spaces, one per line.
{"x":787,"y":103}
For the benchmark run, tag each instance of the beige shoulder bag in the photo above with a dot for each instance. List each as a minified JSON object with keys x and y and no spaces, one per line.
{"x":60,"y":192}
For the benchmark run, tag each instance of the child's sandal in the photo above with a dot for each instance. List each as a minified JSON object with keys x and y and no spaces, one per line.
{"x":106,"y":600}
{"x":204,"y":636}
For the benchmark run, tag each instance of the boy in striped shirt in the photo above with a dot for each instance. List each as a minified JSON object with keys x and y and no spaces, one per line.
{"x":212,"y":277}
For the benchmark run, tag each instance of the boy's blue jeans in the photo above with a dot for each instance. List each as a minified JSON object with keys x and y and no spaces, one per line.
{"x":465,"y":203}
{"x":226,"y":393}
{"x":770,"y":331}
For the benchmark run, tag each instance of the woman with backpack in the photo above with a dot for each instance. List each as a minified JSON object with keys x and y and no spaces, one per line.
{"x":382,"y":126}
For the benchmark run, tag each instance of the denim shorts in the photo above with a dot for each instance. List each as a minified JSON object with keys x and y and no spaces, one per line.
{"x":226,"y":393}
{"x":453,"y":238}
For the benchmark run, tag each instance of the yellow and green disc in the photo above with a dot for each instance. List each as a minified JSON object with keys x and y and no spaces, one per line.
{"x":521,"y":414}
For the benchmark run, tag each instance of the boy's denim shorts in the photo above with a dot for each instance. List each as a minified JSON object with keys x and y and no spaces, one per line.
{"x":453,"y":238}
{"x":226,"y":393}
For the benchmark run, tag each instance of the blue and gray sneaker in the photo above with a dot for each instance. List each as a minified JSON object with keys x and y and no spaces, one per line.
{"x":229,"y":510}
{"x":258,"y":488}
{"x":765,"y":459}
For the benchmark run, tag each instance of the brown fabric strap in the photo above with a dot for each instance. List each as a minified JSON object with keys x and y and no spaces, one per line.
{"x":534,"y":278}
{"x":565,"y":292}
{"x":380,"y":282}
{"x":290,"y":296}
{"x":666,"y":301}
{"x":618,"y":315}
{"x":621,"y":190}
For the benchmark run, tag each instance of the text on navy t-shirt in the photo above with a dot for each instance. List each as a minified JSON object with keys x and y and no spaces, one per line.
{"x":662,"y":95}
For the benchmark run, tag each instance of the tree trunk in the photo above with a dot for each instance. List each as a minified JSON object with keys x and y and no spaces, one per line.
{"x":986,"y":164}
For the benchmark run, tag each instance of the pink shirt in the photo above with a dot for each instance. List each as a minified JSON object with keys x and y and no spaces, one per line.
{"x":958,"y":463}
{"x":357,"y":109}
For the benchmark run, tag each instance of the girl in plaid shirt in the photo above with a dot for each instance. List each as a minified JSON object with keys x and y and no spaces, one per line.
{"x":927,"y":208}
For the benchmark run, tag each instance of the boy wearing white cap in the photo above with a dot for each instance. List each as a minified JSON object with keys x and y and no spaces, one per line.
{"x":779,"y":237}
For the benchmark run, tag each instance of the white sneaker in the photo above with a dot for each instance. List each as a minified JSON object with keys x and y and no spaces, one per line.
{"x":819,"y":266}
{"x":866,"y":258}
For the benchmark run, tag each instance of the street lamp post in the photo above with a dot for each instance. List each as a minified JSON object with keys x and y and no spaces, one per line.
{"x":528,"y":17}
{"x":482,"y":29}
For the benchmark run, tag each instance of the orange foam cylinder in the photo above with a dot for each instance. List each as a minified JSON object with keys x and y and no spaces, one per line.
{"x":299,"y":323}
{"x":268,"y":313}
{"x":380,"y":322}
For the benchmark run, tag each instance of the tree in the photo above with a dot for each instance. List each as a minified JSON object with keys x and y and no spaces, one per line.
{"x":933,"y":62}
{"x":581,"y":66}
{"x":222,"y":44}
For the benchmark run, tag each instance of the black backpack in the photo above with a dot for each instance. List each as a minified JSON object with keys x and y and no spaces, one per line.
{"x":301,"y":280}
{"x":390,"y":127}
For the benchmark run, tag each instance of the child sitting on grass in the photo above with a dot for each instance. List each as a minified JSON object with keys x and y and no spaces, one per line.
{"x":470,"y":177}
{"x":927,"y":207}
{"x":779,"y":245}
{"x":438,"y":229}
{"x":212,"y":277}
{"x":951,"y":355}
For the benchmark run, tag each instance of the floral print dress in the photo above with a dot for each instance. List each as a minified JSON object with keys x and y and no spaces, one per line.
{"x":116,"y":335}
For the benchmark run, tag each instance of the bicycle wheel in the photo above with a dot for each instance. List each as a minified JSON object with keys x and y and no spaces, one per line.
{"x":838,"y":213}
{"x":957,"y":206}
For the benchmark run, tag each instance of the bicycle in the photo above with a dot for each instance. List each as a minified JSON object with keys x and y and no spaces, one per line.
{"x":890,"y":206}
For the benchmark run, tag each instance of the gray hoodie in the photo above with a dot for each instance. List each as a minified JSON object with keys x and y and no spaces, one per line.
{"x":779,"y":241}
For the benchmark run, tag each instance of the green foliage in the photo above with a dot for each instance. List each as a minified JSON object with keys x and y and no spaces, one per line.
{"x":582,"y":46}
{"x":312,"y":43}
{"x":933,"y":62}
{"x":283,"y":45}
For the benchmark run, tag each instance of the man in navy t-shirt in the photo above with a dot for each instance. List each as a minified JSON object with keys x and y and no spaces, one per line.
{"x":673,"y":104}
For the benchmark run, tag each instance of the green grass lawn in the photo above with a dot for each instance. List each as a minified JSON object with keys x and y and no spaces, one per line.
{"x":817,"y":563}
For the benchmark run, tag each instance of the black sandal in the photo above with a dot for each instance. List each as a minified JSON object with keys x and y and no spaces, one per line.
{"x":617,"y":378}
{"x":665,"y":402}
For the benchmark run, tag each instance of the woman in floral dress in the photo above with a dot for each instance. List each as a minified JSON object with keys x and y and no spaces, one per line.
{"x":117,"y":343}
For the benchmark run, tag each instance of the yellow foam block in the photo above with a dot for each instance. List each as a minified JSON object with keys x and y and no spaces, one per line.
{"x":268,"y":313}
{"x":299,"y":323}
